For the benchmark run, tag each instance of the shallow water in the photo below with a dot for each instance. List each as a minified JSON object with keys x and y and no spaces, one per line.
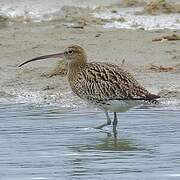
{"x":133,"y":21}
{"x":51,"y":142}
{"x":39,"y":10}
{"x":27,"y":11}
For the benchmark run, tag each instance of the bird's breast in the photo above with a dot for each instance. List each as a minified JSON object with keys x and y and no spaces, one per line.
{"x":120,"y":105}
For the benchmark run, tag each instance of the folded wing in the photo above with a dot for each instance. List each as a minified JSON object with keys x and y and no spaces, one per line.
{"x":103,"y":82}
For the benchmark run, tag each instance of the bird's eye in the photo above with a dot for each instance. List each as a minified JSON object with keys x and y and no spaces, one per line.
{"x":70,"y":51}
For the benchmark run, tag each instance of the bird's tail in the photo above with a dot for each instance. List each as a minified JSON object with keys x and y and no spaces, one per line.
{"x":152,"y":98}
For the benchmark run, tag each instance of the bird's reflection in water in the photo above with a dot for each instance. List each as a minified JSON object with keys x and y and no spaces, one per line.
{"x":85,"y":155}
{"x":113,"y":143}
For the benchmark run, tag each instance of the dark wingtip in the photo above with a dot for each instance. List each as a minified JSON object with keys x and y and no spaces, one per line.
{"x":154,"y":96}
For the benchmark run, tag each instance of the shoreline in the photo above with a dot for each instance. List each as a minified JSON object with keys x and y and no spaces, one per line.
{"x":22,"y":42}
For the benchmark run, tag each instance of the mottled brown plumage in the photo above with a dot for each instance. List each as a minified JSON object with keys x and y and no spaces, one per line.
{"x":106,"y":85}
{"x":103,"y":82}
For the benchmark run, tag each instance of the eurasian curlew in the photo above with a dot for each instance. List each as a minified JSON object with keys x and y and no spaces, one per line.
{"x":105,"y":85}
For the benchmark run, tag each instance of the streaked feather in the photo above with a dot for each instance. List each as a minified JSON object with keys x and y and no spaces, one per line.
{"x":104,"y":82}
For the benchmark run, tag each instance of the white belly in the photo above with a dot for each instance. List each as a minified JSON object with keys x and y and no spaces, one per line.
{"x":121,"y":106}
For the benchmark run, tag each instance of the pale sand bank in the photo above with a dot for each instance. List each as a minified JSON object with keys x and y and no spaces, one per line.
{"x":22,"y":42}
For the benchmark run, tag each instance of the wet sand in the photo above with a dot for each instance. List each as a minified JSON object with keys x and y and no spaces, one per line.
{"x":21,"y":42}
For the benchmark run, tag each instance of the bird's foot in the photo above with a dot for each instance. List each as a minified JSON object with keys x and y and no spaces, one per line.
{"x":103,"y":125}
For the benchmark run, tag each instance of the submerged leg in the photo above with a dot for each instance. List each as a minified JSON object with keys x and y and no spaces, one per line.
{"x":105,"y":124}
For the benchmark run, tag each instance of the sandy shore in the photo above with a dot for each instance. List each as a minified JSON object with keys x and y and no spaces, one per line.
{"x":21,"y":42}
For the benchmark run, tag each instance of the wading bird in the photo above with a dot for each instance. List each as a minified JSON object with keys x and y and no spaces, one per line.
{"x":105,"y":85}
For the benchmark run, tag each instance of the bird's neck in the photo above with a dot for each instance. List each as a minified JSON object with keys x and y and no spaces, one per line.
{"x":74,"y":68}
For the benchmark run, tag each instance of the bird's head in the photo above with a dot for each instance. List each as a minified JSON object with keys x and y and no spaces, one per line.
{"x":73,"y":54}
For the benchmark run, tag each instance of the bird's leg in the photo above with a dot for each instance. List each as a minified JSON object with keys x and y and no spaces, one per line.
{"x":108,"y":118}
{"x":115,"y":119}
{"x":114,"y":132}
{"x":105,"y":124}
{"x":115,"y":125}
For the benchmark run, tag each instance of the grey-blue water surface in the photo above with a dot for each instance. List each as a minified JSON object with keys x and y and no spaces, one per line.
{"x":48,"y":142}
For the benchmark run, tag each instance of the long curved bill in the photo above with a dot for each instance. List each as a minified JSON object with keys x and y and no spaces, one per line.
{"x":58,"y":55}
